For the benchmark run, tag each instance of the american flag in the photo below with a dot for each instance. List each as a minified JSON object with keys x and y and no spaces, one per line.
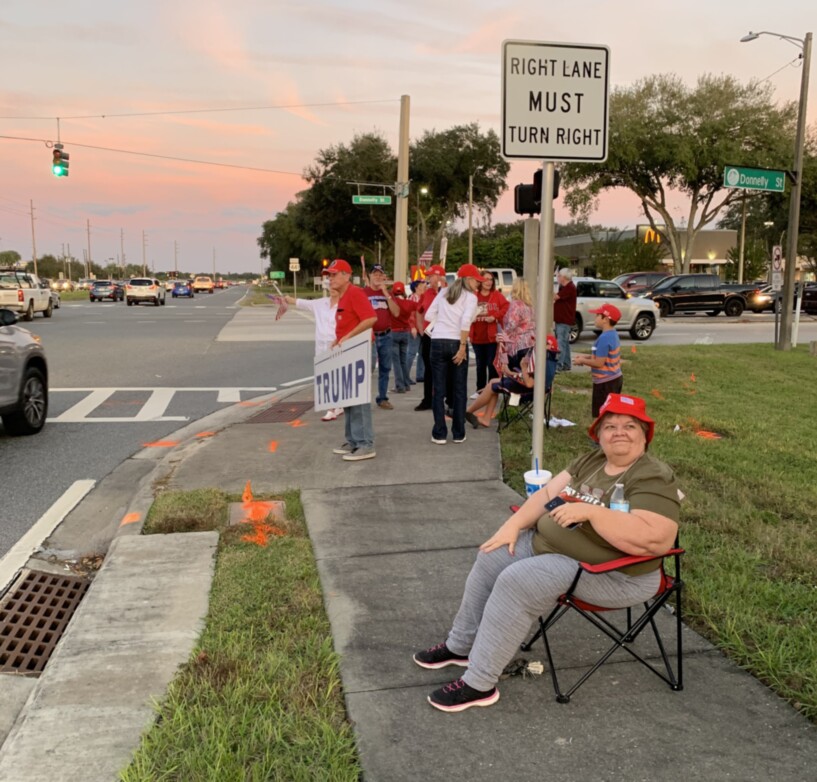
{"x":427,"y":258}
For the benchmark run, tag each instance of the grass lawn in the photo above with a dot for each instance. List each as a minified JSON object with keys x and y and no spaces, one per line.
{"x":260,"y":698}
{"x":749,"y":522}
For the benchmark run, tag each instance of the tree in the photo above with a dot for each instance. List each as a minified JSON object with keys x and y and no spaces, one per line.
{"x":667,"y":137}
{"x":282,"y":238}
{"x":10,"y":258}
{"x":755,"y":263}
{"x":443,"y":162}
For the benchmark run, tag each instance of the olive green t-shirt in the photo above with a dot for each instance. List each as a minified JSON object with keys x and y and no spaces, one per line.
{"x":649,"y":484}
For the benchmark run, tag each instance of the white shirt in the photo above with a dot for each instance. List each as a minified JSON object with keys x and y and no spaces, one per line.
{"x":450,"y":320}
{"x":324,"y":311}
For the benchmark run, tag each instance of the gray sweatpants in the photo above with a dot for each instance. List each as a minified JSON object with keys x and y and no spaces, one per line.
{"x":505,"y":594}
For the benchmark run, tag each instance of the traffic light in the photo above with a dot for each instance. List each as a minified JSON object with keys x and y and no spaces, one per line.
{"x":528,"y":198}
{"x":59,"y":163}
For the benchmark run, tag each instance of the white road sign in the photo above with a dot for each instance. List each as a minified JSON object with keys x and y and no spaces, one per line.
{"x":555,"y":101}
{"x":295,"y":264}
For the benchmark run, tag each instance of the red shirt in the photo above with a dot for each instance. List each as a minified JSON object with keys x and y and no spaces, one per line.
{"x":407,"y":309}
{"x":380,"y":305}
{"x":353,"y":308}
{"x":564,"y":304}
{"x":425,"y":303}
{"x":492,"y":304}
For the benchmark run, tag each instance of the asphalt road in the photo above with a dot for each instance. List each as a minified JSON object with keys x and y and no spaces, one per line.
{"x":124,"y":376}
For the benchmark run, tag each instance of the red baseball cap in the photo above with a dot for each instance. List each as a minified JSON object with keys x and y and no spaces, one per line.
{"x":623,"y":405}
{"x":435,"y":269}
{"x":610,"y":310}
{"x":398,"y":287}
{"x":338,"y":265}
{"x":553,"y":343}
{"x":469,"y":270}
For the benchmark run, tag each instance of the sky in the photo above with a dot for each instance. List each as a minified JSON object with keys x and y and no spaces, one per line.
{"x":267,"y":84}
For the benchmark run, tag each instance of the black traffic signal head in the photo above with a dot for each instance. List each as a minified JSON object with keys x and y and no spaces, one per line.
{"x":528,"y":198}
{"x":59,"y":162}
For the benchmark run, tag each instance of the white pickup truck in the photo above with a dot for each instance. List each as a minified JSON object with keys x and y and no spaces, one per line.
{"x":23,"y":293}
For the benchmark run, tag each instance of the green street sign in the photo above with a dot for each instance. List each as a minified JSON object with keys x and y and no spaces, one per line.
{"x":754,"y":179}
{"x":277,"y":275}
{"x":371,"y":200}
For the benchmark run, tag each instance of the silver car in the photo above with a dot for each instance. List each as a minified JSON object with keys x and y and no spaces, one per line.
{"x":639,"y":316}
{"x":23,"y":378}
{"x":145,"y":289}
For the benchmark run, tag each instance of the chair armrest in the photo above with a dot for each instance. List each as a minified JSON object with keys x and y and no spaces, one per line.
{"x":615,"y":564}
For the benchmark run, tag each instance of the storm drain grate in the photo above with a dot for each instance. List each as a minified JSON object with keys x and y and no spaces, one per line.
{"x":34,"y":617}
{"x":281,"y":413}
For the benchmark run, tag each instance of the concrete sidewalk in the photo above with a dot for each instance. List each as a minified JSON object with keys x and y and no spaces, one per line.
{"x":394,"y":538}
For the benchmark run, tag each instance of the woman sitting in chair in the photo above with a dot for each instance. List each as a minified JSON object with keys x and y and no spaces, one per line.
{"x":513,"y":381}
{"x":532,"y":559}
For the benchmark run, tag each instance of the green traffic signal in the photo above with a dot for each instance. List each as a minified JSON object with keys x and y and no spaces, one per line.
{"x":59,"y":163}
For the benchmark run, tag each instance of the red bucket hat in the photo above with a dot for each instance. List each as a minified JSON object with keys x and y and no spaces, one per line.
{"x":623,"y":405}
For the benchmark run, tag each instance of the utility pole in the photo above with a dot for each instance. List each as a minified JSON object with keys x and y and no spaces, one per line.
{"x":33,"y":240}
{"x":175,"y":258}
{"x":401,"y":210}
{"x":144,"y":263}
{"x":70,"y":260}
{"x":122,"y":248}
{"x":88,"y":228}
{"x":214,"y":265}
{"x":742,"y":240}
{"x":470,"y":220}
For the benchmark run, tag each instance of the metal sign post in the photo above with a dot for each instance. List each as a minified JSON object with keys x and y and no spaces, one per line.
{"x":295,"y":267}
{"x":555,"y":106}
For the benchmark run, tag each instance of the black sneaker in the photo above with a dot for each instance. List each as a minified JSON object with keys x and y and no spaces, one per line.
{"x":458,"y":696}
{"x":423,"y":406}
{"x":438,"y":657}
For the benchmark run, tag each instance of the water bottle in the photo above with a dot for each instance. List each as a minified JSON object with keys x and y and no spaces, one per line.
{"x":617,"y":500}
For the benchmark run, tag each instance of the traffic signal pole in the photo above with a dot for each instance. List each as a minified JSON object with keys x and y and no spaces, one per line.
{"x":544,"y":310}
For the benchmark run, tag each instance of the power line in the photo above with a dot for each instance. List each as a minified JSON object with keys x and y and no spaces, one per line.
{"x":161,"y":157}
{"x":213,"y":111}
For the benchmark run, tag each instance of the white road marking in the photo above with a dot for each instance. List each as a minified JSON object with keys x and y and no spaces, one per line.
{"x":81,"y":409}
{"x":159,"y":400}
{"x":17,"y":556}
{"x":299,"y":382}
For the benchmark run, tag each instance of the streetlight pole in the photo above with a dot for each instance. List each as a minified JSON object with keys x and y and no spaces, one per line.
{"x":421,"y":191}
{"x":470,"y":223}
{"x":784,"y":341}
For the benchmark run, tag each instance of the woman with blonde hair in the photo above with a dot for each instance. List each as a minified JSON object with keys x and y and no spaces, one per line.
{"x":518,"y":329}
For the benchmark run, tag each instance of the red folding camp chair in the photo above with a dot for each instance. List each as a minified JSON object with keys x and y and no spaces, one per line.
{"x":671,"y":585}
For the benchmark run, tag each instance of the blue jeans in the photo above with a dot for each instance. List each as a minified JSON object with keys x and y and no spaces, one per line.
{"x":485,"y":355}
{"x":359,"y":429}
{"x":381,"y":353}
{"x":400,"y":343}
{"x":414,"y":350}
{"x":444,"y":372}
{"x":563,"y":337}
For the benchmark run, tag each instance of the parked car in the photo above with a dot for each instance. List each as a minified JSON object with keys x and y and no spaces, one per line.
{"x":203,"y":284}
{"x":23,"y":378}
{"x":700,"y":293}
{"x":141,"y":289}
{"x":638,"y":282}
{"x":106,"y":289}
{"x":182,"y":289}
{"x":639,"y":316}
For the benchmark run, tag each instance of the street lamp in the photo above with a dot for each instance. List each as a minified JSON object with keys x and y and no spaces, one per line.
{"x":804,"y":44}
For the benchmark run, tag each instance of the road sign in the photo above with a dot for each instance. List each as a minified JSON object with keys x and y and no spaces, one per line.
{"x":777,"y":267}
{"x":555,"y":101}
{"x":754,"y":179}
{"x":295,"y":264}
{"x":277,"y":275}
{"x":372,"y":200}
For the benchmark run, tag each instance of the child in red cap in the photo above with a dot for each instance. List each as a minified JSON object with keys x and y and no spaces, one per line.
{"x":605,"y":361}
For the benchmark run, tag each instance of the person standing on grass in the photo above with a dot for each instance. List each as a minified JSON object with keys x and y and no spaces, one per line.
{"x":324,"y":311}
{"x":452,"y":312}
{"x":402,"y":328}
{"x":384,"y":307}
{"x":564,"y":317}
{"x":354,"y":315}
{"x":435,"y":276}
{"x":605,"y":362}
{"x":491,"y":307}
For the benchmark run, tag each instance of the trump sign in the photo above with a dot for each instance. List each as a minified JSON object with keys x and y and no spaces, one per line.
{"x":343,"y":375}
